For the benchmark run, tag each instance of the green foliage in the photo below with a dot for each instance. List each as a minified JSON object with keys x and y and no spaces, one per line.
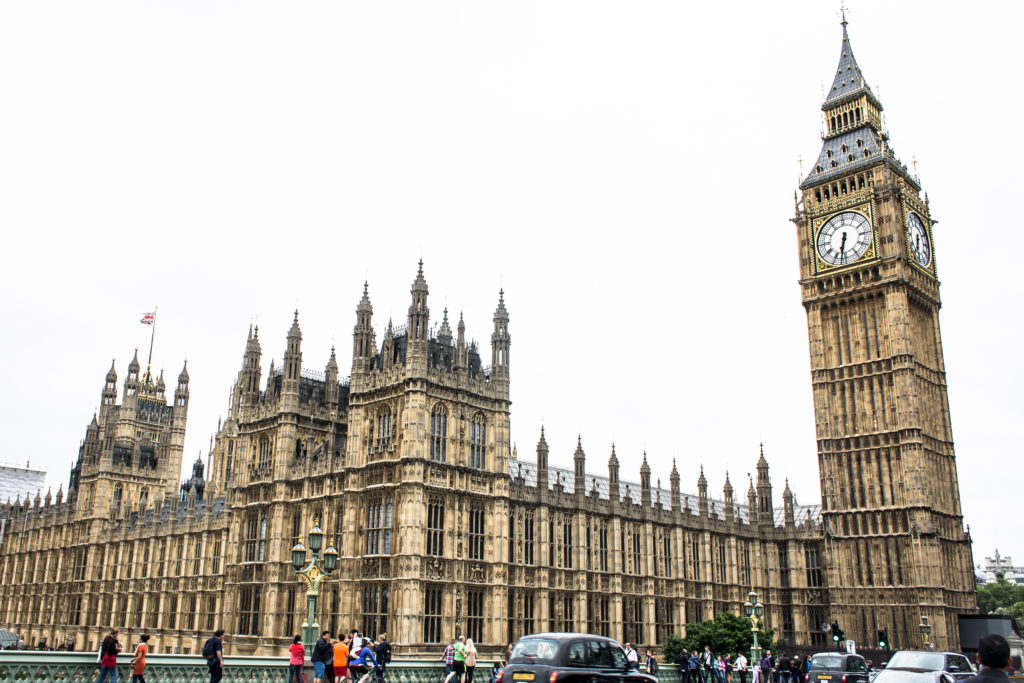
{"x":727,"y":634}
{"x":1000,"y":595}
{"x":1016,"y":610}
{"x":671,"y":648}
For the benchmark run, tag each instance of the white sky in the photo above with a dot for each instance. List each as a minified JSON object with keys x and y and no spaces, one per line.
{"x":624,"y":170}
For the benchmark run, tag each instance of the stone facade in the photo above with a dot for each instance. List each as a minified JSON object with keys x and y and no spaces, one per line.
{"x":442,"y":529}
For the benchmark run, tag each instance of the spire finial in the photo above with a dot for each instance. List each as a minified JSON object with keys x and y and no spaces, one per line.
{"x":842,"y":13}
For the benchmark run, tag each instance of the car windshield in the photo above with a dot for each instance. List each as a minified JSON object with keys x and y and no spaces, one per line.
{"x":826,"y":662}
{"x":888,"y":675}
{"x":534,"y":650}
{"x":932,"y":661}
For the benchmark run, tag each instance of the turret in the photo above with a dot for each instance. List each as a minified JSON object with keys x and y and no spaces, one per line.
{"x":161,"y":386}
{"x":109,"y":395}
{"x":181,"y":393}
{"x":249,"y":376}
{"x":332,"y":381}
{"x":613,"y":477}
{"x":674,"y":483}
{"x":645,"y":482}
{"x":787,"y":504}
{"x":702,"y":494}
{"x":727,"y":494}
{"x":461,"y":354}
{"x":765,"y":506}
{"x":131,"y":382}
{"x":362,"y":336}
{"x":579,"y":468}
{"x":542,"y":464}
{"x":444,"y":335}
{"x":752,"y":503}
{"x":419,"y":324}
{"x":292,"y":367}
{"x":500,"y":342}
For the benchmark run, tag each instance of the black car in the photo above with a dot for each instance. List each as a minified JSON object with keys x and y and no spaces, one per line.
{"x":837,"y":667}
{"x":569,"y":658}
{"x":954,"y":664}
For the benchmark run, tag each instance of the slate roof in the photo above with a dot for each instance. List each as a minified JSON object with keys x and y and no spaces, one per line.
{"x":17,"y":481}
{"x":849,"y":80}
{"x":863,"y":148}
{"x":660,"y":497}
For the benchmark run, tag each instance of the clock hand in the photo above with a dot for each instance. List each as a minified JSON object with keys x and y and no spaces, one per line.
{"x":842,"y":249}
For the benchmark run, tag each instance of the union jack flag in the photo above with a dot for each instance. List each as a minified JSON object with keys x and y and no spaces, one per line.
{"x":148,"y":318}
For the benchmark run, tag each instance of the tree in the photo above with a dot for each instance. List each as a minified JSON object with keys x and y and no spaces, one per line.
{"x":727,"y":634}
{"x":1001,"y":594}
{"x":671,"y":648}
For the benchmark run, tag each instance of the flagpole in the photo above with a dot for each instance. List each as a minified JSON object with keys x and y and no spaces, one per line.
{"x":152,"y":334}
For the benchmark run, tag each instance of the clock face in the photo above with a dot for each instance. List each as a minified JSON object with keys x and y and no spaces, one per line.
{"x":920,"y":247}
{"x":844,"y":238}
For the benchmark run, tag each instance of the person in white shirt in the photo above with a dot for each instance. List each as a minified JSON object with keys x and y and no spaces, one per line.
{"x":632,"y":657}
{"x":740,"y":667}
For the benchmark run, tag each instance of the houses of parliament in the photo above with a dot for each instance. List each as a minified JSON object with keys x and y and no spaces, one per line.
{"x":442,"y":528}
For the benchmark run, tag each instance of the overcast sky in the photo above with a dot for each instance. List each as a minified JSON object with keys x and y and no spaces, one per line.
{"x":625,"y":171}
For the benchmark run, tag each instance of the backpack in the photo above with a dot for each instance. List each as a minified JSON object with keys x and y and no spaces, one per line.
{"x":210,"y":649}
{"x":654,"y":665}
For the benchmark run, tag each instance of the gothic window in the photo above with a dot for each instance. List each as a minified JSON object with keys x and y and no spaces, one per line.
{"x":211,"y":612}
{"x":143,"y":498}
{"x":432,"y":613}
{"x":378,"y":528}
{"x":190,"y":613}
{"x":117,"y":497}
{"x":263,"y":461}
{"x":161,"y":569}
{"x":475,"y":615}
{"x":602,"y":546}
{"x":597,"y":613}
{"x":695,"y":557}
{"x":551,"y":541}
{"x":476,"y":533}
{"x":664,"y":614}
{"x":255,"y":537}
{"x":171,"y":612}
{"x":385,"y":429}
{"x":588,"y":549}
{"x":297,"y":528}
{"x":477,"y":441}
{"x":195,"y":556}
{"x":528,"y":540}
{"x":783,"y":566}
{"x":567,"y":542}
{"x":813,"y":560}
{"x":215,"y":569}
{"x":375,"y":609}
{"x":438,"y":432}
{"x":636,"y":552}
{"x":249,"y":611}
{"x":435,"y":527}
{"x":511,"y":539}
{"x":745,"y":565}
{"x":633,"y":619}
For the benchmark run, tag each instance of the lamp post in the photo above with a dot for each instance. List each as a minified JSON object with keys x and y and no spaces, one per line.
{"x":754,"y":611}
{"x":316,"y":571}
{"x":926,"y":630}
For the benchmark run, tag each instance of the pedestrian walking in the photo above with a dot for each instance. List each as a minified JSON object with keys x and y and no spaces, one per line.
{"x":296,"y":658}
{"x":728,"y":669}
{"x":766,"y":666}
{"x":632,"y":657}
{"x":449,"y":660}
{"x":459,"y":660}
{"x":471,"y":655}
{"x":785,"y":667}
{"x":382,"y":652}
{"x":109,"y":649}
{"x":683,"y":662}
{"x":138,"y":662}
{"x":707,"y":659}
{"x":213,"y":650}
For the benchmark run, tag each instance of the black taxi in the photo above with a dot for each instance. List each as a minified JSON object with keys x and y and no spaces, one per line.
{"x":837,"y":667}
{"x":570,"y":658}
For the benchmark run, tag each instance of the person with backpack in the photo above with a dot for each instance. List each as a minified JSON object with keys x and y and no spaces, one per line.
{"x":213,"y":650}
{"x":382,"y":651}
{"x":683,"y":662}
{"x":109,"y":649}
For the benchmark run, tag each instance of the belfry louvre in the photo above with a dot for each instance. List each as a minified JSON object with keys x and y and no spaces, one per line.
{"x":442,"y":529}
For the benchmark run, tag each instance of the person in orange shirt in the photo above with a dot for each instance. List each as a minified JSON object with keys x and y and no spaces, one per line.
{"x":138,"y":662}
{"x":341,"y":657}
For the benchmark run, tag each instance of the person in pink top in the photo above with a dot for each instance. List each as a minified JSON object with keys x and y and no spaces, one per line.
{"x":297,"y":656}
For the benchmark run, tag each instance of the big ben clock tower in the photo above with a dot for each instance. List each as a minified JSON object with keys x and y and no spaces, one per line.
{"x":894,"y":536}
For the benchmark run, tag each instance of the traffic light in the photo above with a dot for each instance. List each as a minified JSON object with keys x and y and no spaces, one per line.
{"x":836,"y":632}
{"x":883,"y":639}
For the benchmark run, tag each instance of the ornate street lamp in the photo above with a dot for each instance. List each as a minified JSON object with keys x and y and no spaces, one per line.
{"x":316,"y":571}
{"x":926,"y":630}
{"x":755,"y":612}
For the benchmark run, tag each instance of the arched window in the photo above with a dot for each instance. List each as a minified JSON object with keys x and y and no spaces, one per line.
{"x":264,"y":454}
{"x":477,"y":441}
{"x":117,"y":497}
{"x":385,"y":428}
{"x":438,"y":432}
{"x":143,"y":498}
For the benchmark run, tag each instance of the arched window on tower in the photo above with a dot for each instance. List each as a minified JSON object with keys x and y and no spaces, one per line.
{"x":438,"y":432}
{"x":263,"y":460}
{"x":385,"y":428}
{"x":117,"y":497}
{"x":477,"y":441}
{"x":143,"y":498}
